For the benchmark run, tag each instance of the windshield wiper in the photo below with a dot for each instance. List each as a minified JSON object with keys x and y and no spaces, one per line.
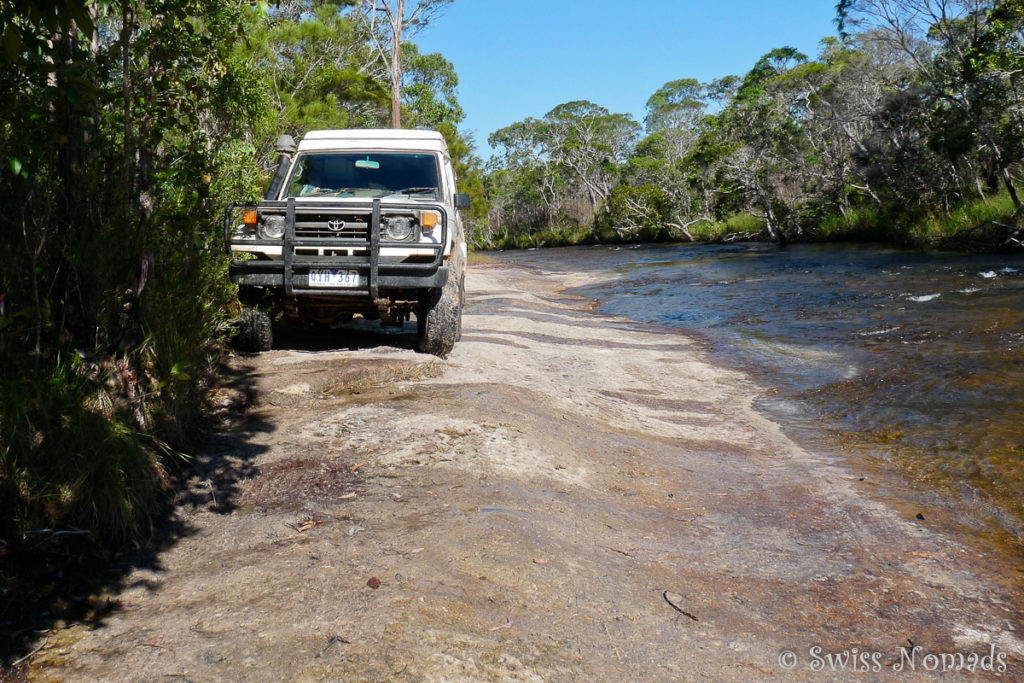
{"x":417,"y":190}
{"x":337,"y":192}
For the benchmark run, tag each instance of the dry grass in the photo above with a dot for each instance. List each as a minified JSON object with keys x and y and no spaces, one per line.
{"x":299,"y":482}
{"x":364,"y":378}
{"x":479,"y":258}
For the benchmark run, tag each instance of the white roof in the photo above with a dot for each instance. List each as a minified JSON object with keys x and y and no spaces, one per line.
{"x":383,"y":138}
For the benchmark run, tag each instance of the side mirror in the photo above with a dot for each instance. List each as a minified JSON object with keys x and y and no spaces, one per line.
{"x":461,"y":200}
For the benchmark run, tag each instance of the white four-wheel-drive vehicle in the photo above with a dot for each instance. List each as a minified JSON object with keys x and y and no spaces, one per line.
{"x":355,"y":222}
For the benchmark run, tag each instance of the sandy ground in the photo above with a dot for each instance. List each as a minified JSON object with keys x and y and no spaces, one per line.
{"x":567,"y":497}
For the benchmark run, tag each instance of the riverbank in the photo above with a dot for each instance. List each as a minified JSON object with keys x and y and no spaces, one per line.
{"x":905,"y":359}
{"x":568,"y":496}
{"x":984,"y":225}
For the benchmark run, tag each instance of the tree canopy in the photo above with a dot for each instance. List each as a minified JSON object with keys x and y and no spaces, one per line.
{"x":912,"y":111}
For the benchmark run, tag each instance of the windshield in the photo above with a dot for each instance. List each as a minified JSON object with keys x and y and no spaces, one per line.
{"x":361,"y":174}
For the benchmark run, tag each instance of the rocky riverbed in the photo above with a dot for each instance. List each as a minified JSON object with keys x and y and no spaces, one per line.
{"x":568,"y":496}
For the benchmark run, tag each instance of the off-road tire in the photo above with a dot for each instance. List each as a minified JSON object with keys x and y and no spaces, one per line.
{"x":439,"y":319}
{"x":462,"y":306}
{"x":255,"y":332}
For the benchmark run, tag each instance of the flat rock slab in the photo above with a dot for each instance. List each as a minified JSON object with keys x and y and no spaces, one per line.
{"x":567,"y":497}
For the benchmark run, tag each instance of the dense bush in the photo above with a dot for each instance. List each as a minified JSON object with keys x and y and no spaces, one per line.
{"x":126,"y":129}
{"x":112,"y":273}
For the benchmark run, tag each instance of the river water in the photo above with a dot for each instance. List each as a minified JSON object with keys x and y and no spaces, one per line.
{"x":907,"y":367}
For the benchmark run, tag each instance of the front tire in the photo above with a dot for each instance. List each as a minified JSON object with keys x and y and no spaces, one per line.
{"x":462,"y":305}
{"x":255,"y":332}
{"x":439,"y":319}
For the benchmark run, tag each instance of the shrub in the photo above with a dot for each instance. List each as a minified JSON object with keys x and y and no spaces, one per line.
{"x":66,"y":461}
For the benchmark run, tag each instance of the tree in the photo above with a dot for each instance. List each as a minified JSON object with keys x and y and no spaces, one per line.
{"x":589,"y":142}
{"x":401,"y":24}
{"x":755,"y":138}
{"x":565,"y":164}
{"x":960,"y":50}
{"x":111,"y":277}
{"x":314,"y":63}
{"x":430,"y":89}
{"x":677,"y":104}
{"x":523,"y":188}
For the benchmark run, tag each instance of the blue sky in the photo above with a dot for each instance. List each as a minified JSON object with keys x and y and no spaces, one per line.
{"x":520,"y":58}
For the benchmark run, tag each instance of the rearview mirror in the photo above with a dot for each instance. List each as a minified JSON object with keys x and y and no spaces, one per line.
{"x":366,"y":163}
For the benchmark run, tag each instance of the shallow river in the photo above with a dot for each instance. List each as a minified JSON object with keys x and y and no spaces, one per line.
{"x":899,"y":364}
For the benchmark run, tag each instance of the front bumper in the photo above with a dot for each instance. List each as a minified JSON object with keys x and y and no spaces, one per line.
{"x":367,"y":255}
{"x":294,"y":280}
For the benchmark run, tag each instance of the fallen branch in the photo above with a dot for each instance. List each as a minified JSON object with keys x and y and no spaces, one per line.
{"x":29,"y":655}
{"x":154,"y":642}
{"x":676,"y":607}
{"x":331,"y":642}
{"x":54,"y":534}
{"x":508,"y":624}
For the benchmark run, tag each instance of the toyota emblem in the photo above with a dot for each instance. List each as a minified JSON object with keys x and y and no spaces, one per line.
{"x":336,"y":225}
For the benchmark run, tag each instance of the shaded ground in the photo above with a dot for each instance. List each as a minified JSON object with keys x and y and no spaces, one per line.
{"x":566,"y":497}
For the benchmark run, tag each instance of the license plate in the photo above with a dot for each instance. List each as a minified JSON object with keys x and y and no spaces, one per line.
{"x":334,"y":278}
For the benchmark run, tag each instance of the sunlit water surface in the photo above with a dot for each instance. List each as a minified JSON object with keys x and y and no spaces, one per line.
{"x":908,"y":363}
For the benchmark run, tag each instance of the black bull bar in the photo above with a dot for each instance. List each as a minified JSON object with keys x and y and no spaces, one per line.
{"x":291,"y":273}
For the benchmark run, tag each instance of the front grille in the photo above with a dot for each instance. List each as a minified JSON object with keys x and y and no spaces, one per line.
{"x":354,"y":226}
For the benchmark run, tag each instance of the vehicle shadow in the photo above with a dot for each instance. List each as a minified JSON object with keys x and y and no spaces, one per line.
{"x":64,"y":579}
{"x":353,"y":335}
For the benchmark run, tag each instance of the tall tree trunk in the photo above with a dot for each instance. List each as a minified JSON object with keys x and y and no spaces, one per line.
{"x":75,"y":155}
{"x":1008,"y":181}
{"x":397,"y":17}
{"x":771,"y":222}
{"x":128,"y":178}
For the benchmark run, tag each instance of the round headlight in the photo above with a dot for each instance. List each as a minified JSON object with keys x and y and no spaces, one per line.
{"x":399,"y":228}
{"x":272,"y":227}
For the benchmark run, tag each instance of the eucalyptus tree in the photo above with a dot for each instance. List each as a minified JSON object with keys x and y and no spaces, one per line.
{"x":564,"y":164}
{"x":321,"y":63}
{"x":430,"y":89}
{"x":314,"y":60}
{"x":966,"y":55}
{"x":523,"y":187}
{"x":390,"y":22}
{"x":589,"y":142}
{"x":755,"y":139}
{"x":677,"y":118}
{"x":677,"y":111}
{"x":835,"y":101}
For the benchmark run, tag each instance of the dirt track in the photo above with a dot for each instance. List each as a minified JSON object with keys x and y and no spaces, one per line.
{"x":567,"y":497}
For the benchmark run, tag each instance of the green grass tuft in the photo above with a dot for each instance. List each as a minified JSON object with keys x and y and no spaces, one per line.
{"x":66,"y":463}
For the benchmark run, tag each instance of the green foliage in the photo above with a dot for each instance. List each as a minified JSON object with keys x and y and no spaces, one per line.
{"x":430,"y":92}
{"x":311,"y":58}
{"x":677,"y":104}
{"x":113,"y":253}
{"x":637,"y":212}
{"x":469,"y":174}
{"x":127,"y":127}
{"x":949,"y":229}
{"x":559,"y":169}
{"x":66,"y":463}
{"x":913,"y":114}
